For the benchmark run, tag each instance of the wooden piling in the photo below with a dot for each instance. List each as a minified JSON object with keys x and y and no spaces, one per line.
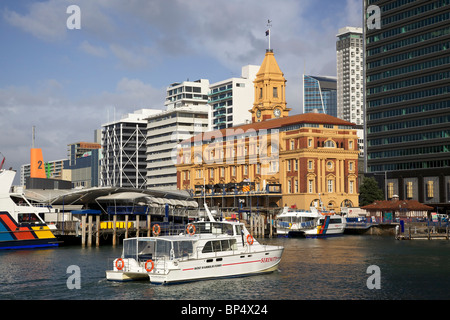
{"x":114,"y":230}
{"x":126,"y":226}
{"x":97,"y":227}
{"x":83,"y":230}
{"x":149,"y":224}
{"x":89,"y":240}
{"x":137,"y":225}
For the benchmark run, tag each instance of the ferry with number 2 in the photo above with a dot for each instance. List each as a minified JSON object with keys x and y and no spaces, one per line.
{"x":206,"y":250}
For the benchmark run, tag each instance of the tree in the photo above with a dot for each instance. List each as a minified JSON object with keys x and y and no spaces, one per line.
{"x":369,"y":191}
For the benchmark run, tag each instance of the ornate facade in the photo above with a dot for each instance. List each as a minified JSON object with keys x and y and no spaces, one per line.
{"x":278,"y":160}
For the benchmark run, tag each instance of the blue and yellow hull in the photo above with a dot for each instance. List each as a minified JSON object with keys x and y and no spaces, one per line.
{"x":24,"y":236}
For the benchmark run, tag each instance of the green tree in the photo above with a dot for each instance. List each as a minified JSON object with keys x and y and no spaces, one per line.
{"x":369,"y":191}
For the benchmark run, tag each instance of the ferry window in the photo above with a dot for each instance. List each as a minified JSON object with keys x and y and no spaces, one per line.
{"x":227,"y":229}
{"x":207,"y":248}
{"x":182,"y":248}
{"x":225,"y":245}
{"x":162,"y":248}
{"x":217,"y":246}
{"x":27,"y":217}
{"x":238,"y":230}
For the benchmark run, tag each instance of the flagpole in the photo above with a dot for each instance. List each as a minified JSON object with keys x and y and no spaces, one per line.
{"x":269,"y":25}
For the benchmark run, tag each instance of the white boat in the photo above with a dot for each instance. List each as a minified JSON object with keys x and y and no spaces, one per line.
{"x":294,"y":222}
{"x":21,"y":226}
{"x":313,"y":223}
{"x":207,"y":249}
{"x":327,"y":226}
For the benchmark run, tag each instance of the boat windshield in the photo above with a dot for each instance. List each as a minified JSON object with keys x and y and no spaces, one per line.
{"x":214,"y":227}
{"x":150,"y":248}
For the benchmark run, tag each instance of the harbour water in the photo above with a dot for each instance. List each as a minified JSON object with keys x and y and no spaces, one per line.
{"x":311,"y":269}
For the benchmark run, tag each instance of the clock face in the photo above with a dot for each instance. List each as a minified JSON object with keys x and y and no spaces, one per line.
{"x":277,"y":112}
{"x":258,"y":113}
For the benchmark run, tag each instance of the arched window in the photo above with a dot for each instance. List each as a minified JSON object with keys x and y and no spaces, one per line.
{"x":329,"y":144}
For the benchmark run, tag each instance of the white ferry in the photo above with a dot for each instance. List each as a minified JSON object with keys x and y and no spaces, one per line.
{"x":21,"y":226}
{"x":207,"y":249}
{"x":311,"y":224}
{"x":327,"y":226}
{"x":295,"y":222}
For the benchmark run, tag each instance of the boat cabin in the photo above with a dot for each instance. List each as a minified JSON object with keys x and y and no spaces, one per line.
{"x":184,"y":246}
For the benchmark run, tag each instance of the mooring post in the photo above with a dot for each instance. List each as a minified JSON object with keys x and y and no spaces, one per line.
{"x":137,"y":225}
{"x":97,"y":228}
{"x":114,"y":230}
{"x":90,"y":231}
{"x":126,"y":226}
{"x":83,"y":230}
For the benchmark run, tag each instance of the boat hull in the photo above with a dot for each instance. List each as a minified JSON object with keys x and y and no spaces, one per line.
{"x":24,"y":236}
{"x":28,"y":244}
{"x":240,"y":265}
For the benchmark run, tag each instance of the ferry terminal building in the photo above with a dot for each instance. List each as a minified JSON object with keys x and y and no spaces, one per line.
{"x":277,"y":160}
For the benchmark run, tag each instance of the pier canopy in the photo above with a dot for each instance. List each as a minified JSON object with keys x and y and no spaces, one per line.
{"x":92,"y":196}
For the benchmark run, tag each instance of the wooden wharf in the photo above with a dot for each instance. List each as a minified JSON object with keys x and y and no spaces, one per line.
{"x":90,"y":229}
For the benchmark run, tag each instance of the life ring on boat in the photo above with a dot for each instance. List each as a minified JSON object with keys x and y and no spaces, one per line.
{"x":250,"y":239}
{"x":156,"y":229}
{"x":146,"y":265}
{"x":120,"y":264}
{"x":190,"y":229}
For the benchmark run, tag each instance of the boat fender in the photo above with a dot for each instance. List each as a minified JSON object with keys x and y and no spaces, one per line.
{"x":190,"y":229}
{"x":120,"y":264}
{"x":156,"y":229}
{"x":147,"y":267}
{"x":250,"y":239}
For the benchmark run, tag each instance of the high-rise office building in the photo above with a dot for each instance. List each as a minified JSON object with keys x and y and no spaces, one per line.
{"x":319,"y":94}
{"x":165,"y":131}
{"x":229,"y":99}
{"x":408,"y":98}
{"x":187,"y":93}
{"x":350,"y":66}
{"x":123,"y":163}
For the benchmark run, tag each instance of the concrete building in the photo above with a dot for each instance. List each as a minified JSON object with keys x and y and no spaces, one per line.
{"x":165,"y":131}
{"x":408,"y":100}
{"x":187,"y":93}
{"x":53,"y":170}
{"x":320,"y":94}
{"x":83,"y":166}
{"x":350,"y":76}
{"x":123,"y":162}
{"x":229,"y":99}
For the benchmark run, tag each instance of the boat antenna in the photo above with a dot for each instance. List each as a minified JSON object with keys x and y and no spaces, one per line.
{"x":3,"y":161}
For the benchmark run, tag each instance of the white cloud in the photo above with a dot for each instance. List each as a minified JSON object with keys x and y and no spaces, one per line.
{"x":45,"y":20}
{"x":94,"y":50}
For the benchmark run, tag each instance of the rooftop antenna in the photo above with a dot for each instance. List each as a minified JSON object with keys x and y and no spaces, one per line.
{"x":32,"y":137}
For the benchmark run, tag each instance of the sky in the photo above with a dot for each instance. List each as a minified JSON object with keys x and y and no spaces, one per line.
{"x":68,"y":82}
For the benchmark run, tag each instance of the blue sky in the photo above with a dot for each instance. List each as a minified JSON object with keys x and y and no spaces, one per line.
{"x":66,"y":82}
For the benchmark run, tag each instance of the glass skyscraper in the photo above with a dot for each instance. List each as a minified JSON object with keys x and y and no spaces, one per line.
{"x":319,"y":95}
{"x":407,"y":86}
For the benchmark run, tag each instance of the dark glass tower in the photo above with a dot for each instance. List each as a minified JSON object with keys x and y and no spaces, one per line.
{"x":407,"y":102}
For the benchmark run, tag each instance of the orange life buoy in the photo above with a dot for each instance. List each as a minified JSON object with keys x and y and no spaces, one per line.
{"x":190,"y":229}
{"x":146,"y":267}
{"x":121,"y":265}
{"x":250,"y":239}
{"x":156,"y":229}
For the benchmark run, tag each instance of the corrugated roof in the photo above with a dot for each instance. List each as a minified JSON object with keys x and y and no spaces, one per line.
{"x":395,"y":205}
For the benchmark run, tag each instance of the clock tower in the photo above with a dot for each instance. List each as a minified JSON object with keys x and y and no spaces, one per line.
{"x":270,"y":85}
